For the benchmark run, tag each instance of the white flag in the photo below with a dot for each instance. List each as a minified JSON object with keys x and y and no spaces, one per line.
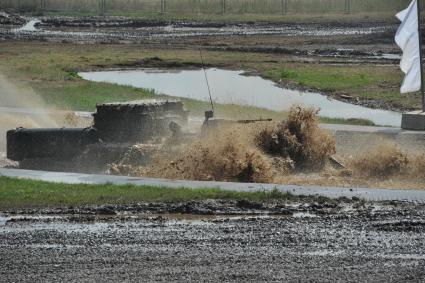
{"x":407,"y":38}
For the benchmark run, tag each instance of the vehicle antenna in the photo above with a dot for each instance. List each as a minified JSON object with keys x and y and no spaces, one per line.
{"x":206,"y":79}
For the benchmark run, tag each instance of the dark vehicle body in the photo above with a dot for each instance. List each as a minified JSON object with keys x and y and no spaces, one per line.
{"x":116,"y":126}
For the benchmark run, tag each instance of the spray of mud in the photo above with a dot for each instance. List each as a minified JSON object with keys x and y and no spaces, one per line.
{"x":226,"y":155}
{"x":387,"y":160}
{"x":223,"y":158}
{"x":294,"y":151}
{"x":380,"y":160}
{"x":13,"y":97}
{"x":299,"y":139}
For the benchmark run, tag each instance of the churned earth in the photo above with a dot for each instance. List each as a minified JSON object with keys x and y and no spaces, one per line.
{"x":365,"y":39}
{"x":216,"y":241}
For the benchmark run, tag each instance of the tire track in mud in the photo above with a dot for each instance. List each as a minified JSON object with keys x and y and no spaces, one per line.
{"x":139,"y":30}
{"x":370,"y":244}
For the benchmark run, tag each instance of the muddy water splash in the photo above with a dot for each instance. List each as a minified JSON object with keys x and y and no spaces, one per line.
{"x":243,"y":153}
{"x":295,"y":151}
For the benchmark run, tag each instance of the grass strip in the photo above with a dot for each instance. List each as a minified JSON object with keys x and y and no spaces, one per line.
{"x":25,"y":193}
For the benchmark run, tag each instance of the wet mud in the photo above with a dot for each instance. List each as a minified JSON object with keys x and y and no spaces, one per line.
{"x":7,"y":19}
{"x":350,"y":242}
{"x":125,"y":30}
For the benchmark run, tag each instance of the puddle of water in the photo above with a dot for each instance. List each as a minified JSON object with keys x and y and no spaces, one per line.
{"x":390,"y":56}
{"x":30,"y":26}
{"x":54,"y":246}
{"x":304,"y":215}
{"x":232,"y":87}
{"x":324,"y":253}
{"x":404,"y":256}
{"x":136,"y":222}
{"x":349,"y":52}
{"x":61,"y":227}
{"x":101,"y":223}
{"x":3,"y":220}
{"x":26,"y":218}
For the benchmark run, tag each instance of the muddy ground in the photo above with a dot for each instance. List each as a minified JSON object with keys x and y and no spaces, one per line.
{"x":366,"y":40}
{"x":215,"y":241}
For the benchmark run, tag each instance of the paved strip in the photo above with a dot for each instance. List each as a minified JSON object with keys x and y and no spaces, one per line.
{"x":417,"y":196}
{"x":370,"y":129}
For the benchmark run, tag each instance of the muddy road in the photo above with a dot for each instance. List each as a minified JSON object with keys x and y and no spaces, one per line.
{"x":307,"y":242}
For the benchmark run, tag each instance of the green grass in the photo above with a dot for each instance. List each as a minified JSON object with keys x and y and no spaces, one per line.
{"x":24,"y":193}
{"x":363,"y":82}
{"x":335,"y":78}
{"x":84,"y":95}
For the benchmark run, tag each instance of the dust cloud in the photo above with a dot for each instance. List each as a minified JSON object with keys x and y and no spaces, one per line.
{"x":21,"y":107}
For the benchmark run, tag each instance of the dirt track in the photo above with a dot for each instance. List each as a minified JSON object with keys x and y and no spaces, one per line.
{"x":383,"y":243}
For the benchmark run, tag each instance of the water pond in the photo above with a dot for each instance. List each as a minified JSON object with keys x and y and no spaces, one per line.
{"x":235,"y":88}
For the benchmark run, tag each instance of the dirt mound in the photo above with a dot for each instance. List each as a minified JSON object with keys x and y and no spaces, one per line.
{"x":300,"y":139}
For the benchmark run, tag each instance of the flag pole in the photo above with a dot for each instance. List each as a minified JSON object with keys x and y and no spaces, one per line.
{"x":420,"y":54}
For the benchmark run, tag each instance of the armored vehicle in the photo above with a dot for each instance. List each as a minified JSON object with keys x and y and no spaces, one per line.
{"x":116,"y":127}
